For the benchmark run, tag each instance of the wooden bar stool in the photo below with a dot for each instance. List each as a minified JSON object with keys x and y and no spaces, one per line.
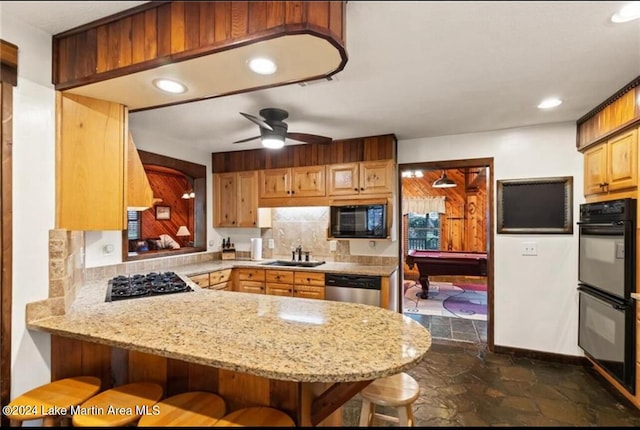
{"x":256,"y":416}
{"x":192,"y":409}
{"x":51,"y":401}
{"x":396,"y":391}
{"x":118,"y":406}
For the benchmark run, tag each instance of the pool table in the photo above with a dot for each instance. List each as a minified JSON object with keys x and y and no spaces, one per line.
{"x":433,"y":263}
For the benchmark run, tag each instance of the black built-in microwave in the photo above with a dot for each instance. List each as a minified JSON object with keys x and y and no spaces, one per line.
{"x":359,"y":221}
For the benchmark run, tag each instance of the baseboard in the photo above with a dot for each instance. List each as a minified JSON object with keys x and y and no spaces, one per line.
{"x":539,"y":355}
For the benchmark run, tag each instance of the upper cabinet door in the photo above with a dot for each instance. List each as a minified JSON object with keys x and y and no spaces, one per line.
{"x":224,"y":197}
{"x":308,"y":181}
{"x":343,"y":179}
{"x":376,"y":177}
{"x":623,"y":159}
{"x":595,"y":169}
{"x":90,"y":160}
{"x":247,"y":199}
{"x":275,"y":183}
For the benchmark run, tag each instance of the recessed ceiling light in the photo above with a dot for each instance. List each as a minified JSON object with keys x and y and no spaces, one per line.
{"x":627,"y":13}
{"x":169,"y":86}
{"x":262,"y":66}
{"x":549,"y":103}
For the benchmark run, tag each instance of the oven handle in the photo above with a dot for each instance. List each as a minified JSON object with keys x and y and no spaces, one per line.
{"x":602,"y":224}
{"x":615,"y":302}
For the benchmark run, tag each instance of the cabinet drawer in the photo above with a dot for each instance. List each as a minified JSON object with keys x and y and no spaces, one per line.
{"x":308,"y":292}
{"x":226,"y":286}
{"x":250,"y":274}
{"x":251,"y":287}
{"x":281,"y":276}
{"x":309,"y":278}
{"x":280,"y":289}
{"x":201,"y":280}
{"x":219,"y":276}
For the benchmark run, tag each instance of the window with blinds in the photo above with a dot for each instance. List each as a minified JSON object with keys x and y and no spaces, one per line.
{"x":133,"y":225}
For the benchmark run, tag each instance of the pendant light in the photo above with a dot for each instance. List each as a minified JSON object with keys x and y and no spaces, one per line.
{"x":443,"y":182}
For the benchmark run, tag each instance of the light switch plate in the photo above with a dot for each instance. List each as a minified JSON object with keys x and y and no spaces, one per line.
{"x":271,"y":244}
{"x":333,"y":245}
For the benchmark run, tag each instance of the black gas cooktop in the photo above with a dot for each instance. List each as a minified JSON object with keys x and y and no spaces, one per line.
{"x":150,"y":284}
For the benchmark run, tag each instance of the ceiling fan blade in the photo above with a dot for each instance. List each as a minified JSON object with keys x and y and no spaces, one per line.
{"x":309,"y":138}
{"x":260,"y":122}
{"x":246,"y":140}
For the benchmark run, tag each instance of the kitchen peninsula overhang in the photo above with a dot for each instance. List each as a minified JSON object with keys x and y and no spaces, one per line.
{"x":118,"y":57}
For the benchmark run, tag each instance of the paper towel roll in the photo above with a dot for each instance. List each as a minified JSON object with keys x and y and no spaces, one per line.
{"x":256,"y":248}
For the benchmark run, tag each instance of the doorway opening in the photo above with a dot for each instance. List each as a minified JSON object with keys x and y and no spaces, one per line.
{"x":446,"y":247}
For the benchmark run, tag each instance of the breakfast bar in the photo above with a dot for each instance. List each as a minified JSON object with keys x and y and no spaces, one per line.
{"x":305,"y":357}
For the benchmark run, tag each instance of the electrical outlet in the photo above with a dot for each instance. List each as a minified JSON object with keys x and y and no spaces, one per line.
{"x":333,"y":245}
{"x":108,"y":249}
{"x":271,"y":244}
{"x":529,"y":248}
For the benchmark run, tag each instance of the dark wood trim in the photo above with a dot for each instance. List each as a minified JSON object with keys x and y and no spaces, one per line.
{"x":607,"y":135}
{"x":197,"y":173}
{"x":370,"y":148}
{"x":190,"y":169}
{"x":333,"y":398}
{"x":8,"y":63}
{"x":6,"y":242}
{"x":452,"y":164}
{"x":622,"y":91}
{"x":539,"y":355}
{"x":92,"y":52}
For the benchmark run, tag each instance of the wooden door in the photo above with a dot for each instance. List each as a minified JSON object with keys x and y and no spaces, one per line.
{"x":224,"y":199}
{"x":376,"y":177}
{"x":595,"y":169}
{"x":275,"y":183}
{"x":623,"y":161}
{"x":247,"y":207}
{"x":308,"y":181}
{"x":343,"y":179}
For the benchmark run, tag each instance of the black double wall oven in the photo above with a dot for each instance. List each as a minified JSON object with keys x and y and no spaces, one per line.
{"x":606,"y":279}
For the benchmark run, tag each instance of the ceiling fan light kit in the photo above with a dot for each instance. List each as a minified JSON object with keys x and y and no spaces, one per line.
{"x":444,"y":182}
{"x":274,"y":131}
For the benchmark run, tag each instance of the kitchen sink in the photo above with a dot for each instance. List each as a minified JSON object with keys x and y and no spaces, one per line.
{"x":293,"y":263}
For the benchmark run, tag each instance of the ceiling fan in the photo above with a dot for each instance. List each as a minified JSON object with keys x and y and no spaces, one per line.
{"x":273,"y":129}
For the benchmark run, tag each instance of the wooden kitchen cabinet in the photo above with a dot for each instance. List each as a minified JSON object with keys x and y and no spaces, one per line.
{"x":279,"y":282}
{"x":220,"y":280}
{"x":99,"y":175}
{"x":612,"y":165}
{"x":201,"y":280}
{"x":235,"y":200}
{"x":309,"y":285}
{"x":306,"y":181}
{"x":251,"y":280}
{"x":364,"y":178}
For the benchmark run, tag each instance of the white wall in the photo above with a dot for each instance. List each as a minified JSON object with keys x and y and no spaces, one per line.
{"x":33,"y":197}
{"x":536,"y":302}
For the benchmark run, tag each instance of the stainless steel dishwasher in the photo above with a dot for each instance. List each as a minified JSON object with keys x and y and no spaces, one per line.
{"x":352,"y":288}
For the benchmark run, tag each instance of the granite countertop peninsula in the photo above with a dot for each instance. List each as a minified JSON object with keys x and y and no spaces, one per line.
{"x":284,"y":338}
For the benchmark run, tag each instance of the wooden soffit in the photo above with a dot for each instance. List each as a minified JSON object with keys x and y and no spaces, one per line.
{"x":204,"y":45}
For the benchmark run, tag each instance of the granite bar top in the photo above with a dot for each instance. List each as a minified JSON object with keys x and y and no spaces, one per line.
{"x":284,"y":338}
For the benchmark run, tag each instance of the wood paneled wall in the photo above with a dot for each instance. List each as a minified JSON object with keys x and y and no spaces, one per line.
{"x":463,"y":226}
{"x":339,"y":151}
{"x":619,"y":111}
{"x":158,"y":33}
{"x":168,"y":185}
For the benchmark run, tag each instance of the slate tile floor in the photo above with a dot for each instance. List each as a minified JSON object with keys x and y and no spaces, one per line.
{"x":464,"y":385}
{"x":458,"y":329}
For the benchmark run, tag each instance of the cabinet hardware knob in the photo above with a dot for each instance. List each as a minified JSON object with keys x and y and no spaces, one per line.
{"x":355,"y":189}
{"x":293,"y":192}
{"x":361,"y":188}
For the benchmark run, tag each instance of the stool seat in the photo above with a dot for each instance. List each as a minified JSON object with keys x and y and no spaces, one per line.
{"x":397,"y":391}
{"x":52,"y":400}
{"x":118,"y":406}
{"x":256,"y":416}
{"x":191,"y":409}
